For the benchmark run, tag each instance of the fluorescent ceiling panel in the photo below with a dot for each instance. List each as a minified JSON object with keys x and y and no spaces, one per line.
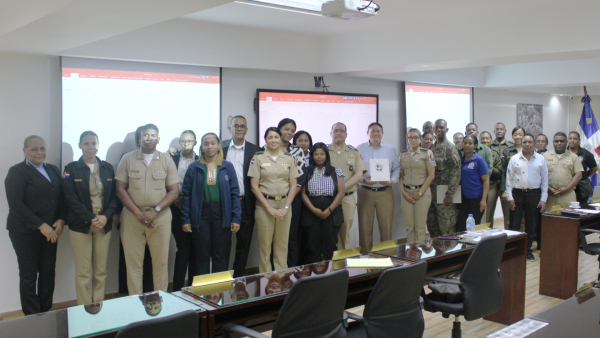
{"x":309,"y":5}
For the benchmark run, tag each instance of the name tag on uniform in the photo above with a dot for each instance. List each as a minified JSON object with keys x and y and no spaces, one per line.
{"x":78,"y":180}
{"x":135,"y":171}
{"x":266,"y":165}
{"x":109,"y":179}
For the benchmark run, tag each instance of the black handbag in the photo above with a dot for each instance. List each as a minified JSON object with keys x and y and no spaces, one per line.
{"x":449,"y":293}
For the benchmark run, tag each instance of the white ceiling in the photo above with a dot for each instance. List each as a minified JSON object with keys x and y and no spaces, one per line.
{"x":533,"y":45}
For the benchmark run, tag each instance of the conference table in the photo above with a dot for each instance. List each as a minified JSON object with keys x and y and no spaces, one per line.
{"x":559,"y":256}
{"x":254,"y":301}
{"x":566,"y":319}
{"x":98,"y":320}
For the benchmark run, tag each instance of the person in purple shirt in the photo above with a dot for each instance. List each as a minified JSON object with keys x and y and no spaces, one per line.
{"x":475,"y":183}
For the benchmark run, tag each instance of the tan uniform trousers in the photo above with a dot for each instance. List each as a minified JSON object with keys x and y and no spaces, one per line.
{"x":370,"y":203}
{"x":272,"y":232}
{"x":415,"y":216}
{"x":90,"y":251}
{"x":349,"y":208}
{"x":490,"y":209}
{"x":134,"y":237}
{"x":564,"y":200}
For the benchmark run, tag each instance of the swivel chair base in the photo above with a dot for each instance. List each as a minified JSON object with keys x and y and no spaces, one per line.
{"x":456,"y":331}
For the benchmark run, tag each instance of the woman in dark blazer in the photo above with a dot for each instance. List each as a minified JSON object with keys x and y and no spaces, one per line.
{"x":211,"y":207}
{"x":91,"y":202}
{"x":35,"y":222}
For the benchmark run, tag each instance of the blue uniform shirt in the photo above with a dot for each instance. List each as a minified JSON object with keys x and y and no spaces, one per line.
{"x":470,"y":178}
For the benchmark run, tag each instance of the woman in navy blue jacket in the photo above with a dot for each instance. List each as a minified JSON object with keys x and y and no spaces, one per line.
{"x":211,"y":207}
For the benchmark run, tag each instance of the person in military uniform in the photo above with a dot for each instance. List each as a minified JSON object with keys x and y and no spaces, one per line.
{"x":497,"y":183}
{"x":147,"y":184}
{"x":347,"y":158}
{"x":495,"y":179}
{"x":564,"y":172}
{"x":273,"y":175}
{"x":417,"y":170}
{"x":441,"y":218}
{"x":428,"y":127}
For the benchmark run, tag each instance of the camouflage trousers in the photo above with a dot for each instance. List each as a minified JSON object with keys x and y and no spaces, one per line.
{"x":441,"y":219}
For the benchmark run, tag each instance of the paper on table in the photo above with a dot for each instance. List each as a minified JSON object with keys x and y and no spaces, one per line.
{"x":379,"y":168}
{"x":441,"y":194}
{"x":588,"y":211}
{"x":368,"y":263}
{"x":519,"y":329}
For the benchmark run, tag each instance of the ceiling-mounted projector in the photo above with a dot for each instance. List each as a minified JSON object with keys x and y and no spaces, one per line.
{"x":349,"y":9}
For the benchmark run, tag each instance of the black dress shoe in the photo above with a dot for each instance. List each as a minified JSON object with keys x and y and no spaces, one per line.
{"x":530,"y":257}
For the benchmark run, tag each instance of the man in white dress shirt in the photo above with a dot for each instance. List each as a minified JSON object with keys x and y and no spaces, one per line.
{"x":526,"y":189}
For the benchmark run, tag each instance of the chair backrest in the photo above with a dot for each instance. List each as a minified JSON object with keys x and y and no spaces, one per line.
{"x":314,"y":307}
{"x":583,"y":241}
{"x":181,"y":325}
{"x":482,"y":292}
{"x":393,"y":307}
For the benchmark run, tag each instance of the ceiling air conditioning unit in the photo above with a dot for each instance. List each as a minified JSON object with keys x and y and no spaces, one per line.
{"x":349,"y":9}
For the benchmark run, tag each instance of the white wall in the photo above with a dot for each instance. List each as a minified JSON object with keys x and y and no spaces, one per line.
{"x":498,"y":105}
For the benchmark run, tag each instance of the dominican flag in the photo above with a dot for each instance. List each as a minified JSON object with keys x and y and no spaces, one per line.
{"x":590,"y":133}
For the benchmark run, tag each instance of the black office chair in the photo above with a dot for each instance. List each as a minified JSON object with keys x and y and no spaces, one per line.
{"x":479,"y":283}
{"x":393,"y":309}
{"x":181,"y":325}
{"x":314,"y":307}
{"x":591,"y":248}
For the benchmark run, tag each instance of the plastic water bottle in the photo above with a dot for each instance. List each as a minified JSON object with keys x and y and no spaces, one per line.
{"x":470,"y":223}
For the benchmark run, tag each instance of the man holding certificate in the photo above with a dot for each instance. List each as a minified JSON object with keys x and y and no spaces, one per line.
{"x":375,"y":195}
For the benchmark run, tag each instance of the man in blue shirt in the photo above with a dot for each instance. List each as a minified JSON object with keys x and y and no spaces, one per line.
{"x":376,"y":197}
{"x":526,"y":189}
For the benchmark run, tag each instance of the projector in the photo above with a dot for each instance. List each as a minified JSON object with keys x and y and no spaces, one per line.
{"x":349,"y":9}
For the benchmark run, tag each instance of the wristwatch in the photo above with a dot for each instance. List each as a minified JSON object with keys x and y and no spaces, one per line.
{"x":286,"y":207}
{"x":420,"y":193}
{"x":157,"y":208}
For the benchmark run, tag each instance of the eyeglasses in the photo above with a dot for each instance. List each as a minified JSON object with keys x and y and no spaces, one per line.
{"x":413,"y":138}
{"x":238,"y":126}
{"x":186,"y":141}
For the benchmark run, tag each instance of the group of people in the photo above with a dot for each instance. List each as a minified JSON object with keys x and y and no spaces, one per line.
{"x":300,"y":196}
{"x":527,"y":177}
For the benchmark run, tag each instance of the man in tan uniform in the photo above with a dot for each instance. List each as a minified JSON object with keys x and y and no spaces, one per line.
{"x":564,"y":172}
{"x":275,"y":177}
{"x":147,"y":184}
{"x":349,"y":160}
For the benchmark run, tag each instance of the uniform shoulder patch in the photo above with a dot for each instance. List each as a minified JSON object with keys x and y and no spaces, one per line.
{"x":260,"y":152}
{"x":424,"y":149}
{"x":351,"y":147}
{"x":286,"y":153}
{"x":405,"y":151}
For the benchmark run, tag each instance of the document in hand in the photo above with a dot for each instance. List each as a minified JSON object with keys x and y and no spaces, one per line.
{"x":368,"y":263}
{"x":441,"y":193}
{"x":379,"y":168}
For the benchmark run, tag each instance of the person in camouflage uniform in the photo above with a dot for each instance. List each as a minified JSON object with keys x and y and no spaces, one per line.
{"x":441,"y":218}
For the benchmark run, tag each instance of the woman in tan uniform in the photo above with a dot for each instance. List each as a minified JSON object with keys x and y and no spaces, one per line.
{"x":417,"y":169}
{"x":272,"y":173}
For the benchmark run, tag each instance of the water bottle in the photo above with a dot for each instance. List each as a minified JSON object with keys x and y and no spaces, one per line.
{"x":470,"y":223}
